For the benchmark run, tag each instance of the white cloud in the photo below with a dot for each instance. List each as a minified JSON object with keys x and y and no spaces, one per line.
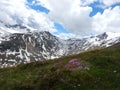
{"x":18,"y":12}
{"x":87,"y":2}
{"x":74,"y":16}
{"x":109,"y":2}
{"x":71,"y":14}
{"x":68,"y":35}
{"x":108,"y":21}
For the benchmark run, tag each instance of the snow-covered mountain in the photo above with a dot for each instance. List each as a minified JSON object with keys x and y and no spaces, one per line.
{"x":22,"y":47}
{"x":103,"y":40}
{"x":26,"y":47}
{"x":6,"y":29}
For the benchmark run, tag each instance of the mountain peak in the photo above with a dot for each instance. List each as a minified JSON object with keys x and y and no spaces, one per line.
{"x":102,"y":36}
{"x":108,"y":35}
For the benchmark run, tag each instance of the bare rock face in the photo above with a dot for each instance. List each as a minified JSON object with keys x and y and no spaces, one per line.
{"x":22,"y":48}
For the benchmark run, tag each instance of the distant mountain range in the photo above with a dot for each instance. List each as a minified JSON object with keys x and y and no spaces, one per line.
{"x":18,"y":47}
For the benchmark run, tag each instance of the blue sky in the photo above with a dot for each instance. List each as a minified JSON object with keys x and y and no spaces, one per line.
{"x":37,"y":7}
{"x":60,"y":28}
{"x":96,"y":8}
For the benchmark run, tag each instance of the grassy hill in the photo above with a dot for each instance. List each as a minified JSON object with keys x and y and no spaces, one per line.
{"x":94,"y":70}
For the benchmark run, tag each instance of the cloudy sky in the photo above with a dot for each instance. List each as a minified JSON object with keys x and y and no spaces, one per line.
{"x":64,"y":18}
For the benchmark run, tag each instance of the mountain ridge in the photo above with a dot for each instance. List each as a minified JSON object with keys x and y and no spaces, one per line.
{"x":27,"y":47}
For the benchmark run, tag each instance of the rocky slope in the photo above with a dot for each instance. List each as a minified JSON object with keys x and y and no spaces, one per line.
{"x":21,"y":48}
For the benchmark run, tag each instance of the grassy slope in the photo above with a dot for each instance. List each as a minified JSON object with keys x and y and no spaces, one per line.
{"x":104,"y":73}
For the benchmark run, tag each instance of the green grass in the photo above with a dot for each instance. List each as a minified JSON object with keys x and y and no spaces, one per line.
{"x":104,"y":73}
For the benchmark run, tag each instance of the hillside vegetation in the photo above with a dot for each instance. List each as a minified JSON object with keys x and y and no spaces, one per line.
{"x":94,"y":70}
